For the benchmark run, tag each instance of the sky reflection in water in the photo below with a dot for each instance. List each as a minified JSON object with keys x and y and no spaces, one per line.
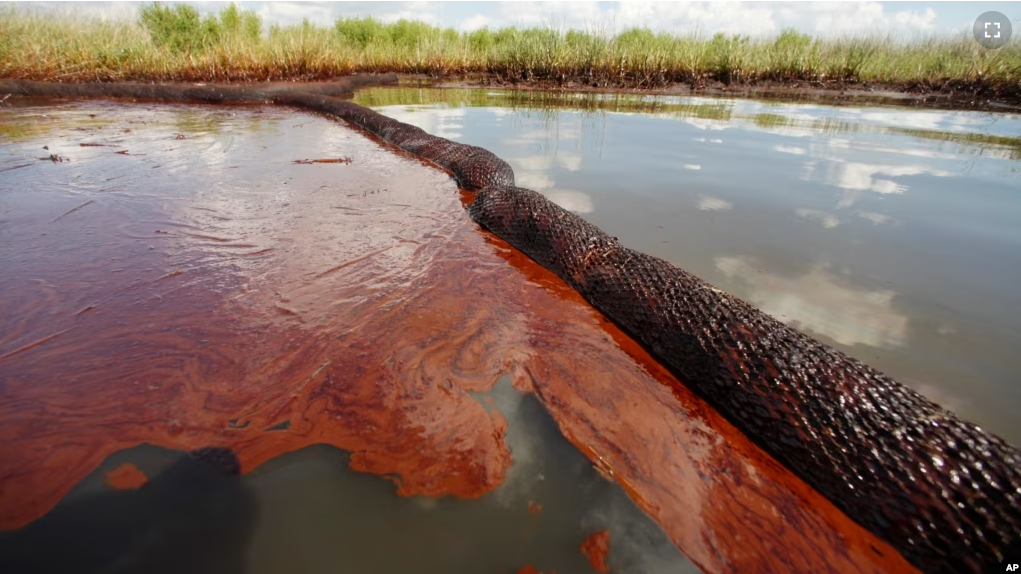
{"x":892,"y":234}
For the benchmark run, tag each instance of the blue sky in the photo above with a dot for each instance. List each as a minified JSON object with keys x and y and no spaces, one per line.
{"x":753,"y":18}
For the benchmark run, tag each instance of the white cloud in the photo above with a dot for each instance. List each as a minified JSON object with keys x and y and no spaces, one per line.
{"x":856,"y":18}
{"x":474,"y":23}
{"x":416,"y":15}
{"x":108,"y":11}
{"x":578,"y":15}
{"x":763,"y":19}
{"x":914,"y":20}
{"x":287,"y":13}
{"x":708,"y":18}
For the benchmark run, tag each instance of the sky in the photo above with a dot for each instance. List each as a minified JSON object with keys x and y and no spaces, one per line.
{"x":756,"y":19}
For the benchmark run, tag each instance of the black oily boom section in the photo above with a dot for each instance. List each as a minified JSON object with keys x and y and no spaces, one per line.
{"x":556,"y":239}
{"x":940,"y":490}
{"x":208,"y":93}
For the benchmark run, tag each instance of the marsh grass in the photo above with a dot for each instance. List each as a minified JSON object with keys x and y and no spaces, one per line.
{"x":177,"y":43}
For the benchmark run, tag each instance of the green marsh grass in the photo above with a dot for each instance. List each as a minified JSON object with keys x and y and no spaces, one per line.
{"x":175,"y":42}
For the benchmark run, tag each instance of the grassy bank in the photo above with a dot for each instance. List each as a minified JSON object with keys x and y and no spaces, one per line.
{"x":176,"y":43}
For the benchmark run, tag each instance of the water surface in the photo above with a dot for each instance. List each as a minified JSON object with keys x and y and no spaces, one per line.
{"x":172,"y":280}
{"x":307,"y":512}
{"x":892,"y":234}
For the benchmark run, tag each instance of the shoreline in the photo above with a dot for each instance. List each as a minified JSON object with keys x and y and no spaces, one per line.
{"x":180,"y":44}
{"x":966,"y":96}
{"x":835,"y":93}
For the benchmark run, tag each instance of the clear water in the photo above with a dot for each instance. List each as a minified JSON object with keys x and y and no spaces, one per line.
{"x":891,"y":234}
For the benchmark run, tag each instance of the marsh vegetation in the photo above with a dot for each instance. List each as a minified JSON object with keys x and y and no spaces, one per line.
{"x":176,"y":42}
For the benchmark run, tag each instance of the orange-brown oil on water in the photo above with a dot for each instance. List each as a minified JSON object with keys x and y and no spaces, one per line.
{"x":209,"y":291}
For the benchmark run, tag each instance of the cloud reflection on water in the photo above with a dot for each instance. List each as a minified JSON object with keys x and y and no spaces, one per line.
{"x":876,"y":218}
{"x":827,"y":220}
{"x":790,"y":149}
{"x":821,"y":303}
{"x":867,"y":176}
{"x":537,"y":171}
{"x":709,"y":203}
{"x":442,"y":122}
{"x":571,"y":200}
{"x":880,"y":194}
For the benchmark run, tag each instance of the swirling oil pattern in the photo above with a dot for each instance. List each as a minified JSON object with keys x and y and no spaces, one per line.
{"x":170,"y":276}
